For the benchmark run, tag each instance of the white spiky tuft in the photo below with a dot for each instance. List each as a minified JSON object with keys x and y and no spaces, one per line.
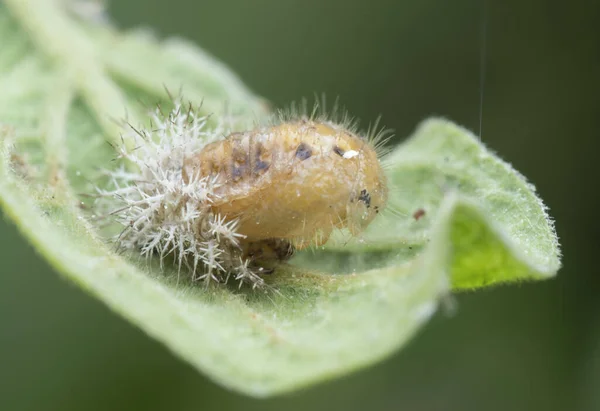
{"x":163,"y":215}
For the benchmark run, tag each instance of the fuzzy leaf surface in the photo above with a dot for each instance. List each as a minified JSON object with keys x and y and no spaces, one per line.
{"x":65,"y":80}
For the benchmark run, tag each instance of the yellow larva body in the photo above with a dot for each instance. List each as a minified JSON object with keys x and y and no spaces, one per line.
{"x":294,"y":182}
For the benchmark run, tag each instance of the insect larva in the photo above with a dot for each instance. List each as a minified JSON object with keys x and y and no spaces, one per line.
{"x":243,"y":200}
{"x":294,"y":181}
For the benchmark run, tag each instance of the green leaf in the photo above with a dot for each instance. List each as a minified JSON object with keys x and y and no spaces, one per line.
{"x":65,"y":80}
{"x":500,"y":231}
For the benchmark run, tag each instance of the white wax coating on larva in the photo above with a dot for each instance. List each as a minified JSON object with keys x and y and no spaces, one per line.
{"x":350,"y":154}
{"x":231,"y":204}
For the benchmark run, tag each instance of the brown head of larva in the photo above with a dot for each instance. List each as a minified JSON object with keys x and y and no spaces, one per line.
{"x":296,"y":181}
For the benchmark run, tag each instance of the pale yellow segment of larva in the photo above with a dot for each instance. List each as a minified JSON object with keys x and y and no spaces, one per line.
{"x":232,"y":204}
{"x":295,"y":181}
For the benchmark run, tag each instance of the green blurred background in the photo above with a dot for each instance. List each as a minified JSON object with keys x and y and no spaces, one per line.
{"x":522,"y":347}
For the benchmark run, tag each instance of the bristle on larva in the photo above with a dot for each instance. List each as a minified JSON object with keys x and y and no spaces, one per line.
{"x":230,"y":204}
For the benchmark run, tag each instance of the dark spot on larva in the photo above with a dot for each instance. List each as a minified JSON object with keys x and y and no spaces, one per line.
{"x":337,"y":150}
{"x":303,"y":151}
{"x":260,"y":165}
{"x":239,"y":164}
{"x":365,"y":197}
{"x":418,"y":214}
{"x":238,"y":172}
{"x":376,"y":208}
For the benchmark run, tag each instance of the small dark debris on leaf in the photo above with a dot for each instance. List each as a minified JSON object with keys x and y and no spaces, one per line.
{"x":418,"y":214}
